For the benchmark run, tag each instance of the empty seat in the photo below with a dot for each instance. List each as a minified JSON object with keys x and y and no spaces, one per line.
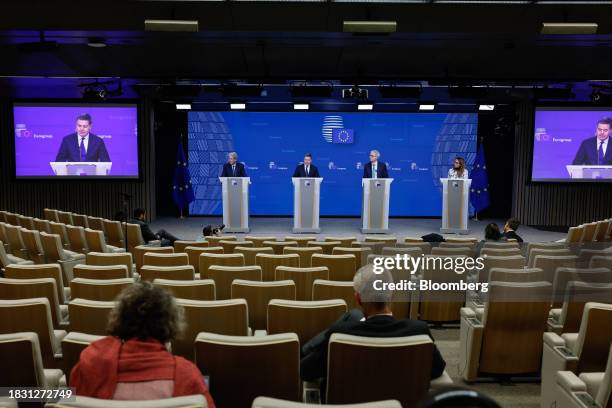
{"x":424,"y":246}
{"x":267,"y":365}
{"x":160,"y":259}
{"x":345,"y":242}
{"x":98,"y":289}
{"x":507,"y":262}
{"x":33,"y":246}
{"x":341,"y":267}
{"x":258,"y":294}
{"x":54,"y":252}
{"x":97,"y":243}
{"x":11,"y":218}
{"x":468,"y":244}
{"x":269,"y":262}
{"x":410,"y":251}
{"x":8,"y":259}
{"x":588,"y":233}
{"x":77,"y":239}
{"x":214,"y":240}
{"x":567,"y":318}
{"x":223,"y":276}
{"x":114,"y":233}
{"x":250,"y":253}
{"x":95,"y":223}
{"x":303,"y":278}
{"x":544,"y":245}
{"x":327,"y":289}
{"x":36,"y":288}
{"x":108,"y":259}
{"x":603,"y":227}
{"x":80,"y":220}
{"x":266,"y":402}
{"x":140,"y":250}
{"x":200,"y":289}
{"x":59,"y":229}
{"x":326,"y":246}
{"x":361,"y":254}
{"x":601,"y":262}
{"x":516,"y":275}
{"x":279,"y":246}
{"x":305,"y":254}
{"x":65,"y":217}
{"x":209,"y":259}
{"x":100,"y":272}
{"x":500,"y":252}
{"x":549,"y":264}
{"x":52,"y":271}
{"x":15,"y":242}
{"x":500,"y":244}
{"x":258,"y":241}
{"x":193,"y":254}
{"x":564,"y":275}
{"x":462,"y":250}
{"x":228,"y":246}
{"x":385,"y":239}
{"x":466,"y":240}
{"x":180,"y":245}
{"x":546,"y":251}
{"x":50,"y":214}
{"x":89,"y":316}
{"x":412,"y":239}
{"x":302,"y":240}
{"x":304,"y":318}
{"x":77,"y":401}
{"x":72,"y":346}
{"x":182,"y":272}
{"x":376,"y":247}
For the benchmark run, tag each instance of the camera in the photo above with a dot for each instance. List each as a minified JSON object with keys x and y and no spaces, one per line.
{"x":210,"y":230}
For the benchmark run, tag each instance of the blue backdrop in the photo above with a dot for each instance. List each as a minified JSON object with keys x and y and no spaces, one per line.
{"x":418,"y":149}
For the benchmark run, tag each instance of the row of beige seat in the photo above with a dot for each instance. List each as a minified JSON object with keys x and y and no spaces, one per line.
{"x":598,"y":231}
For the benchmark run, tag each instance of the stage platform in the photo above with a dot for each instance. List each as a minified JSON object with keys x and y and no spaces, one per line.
{"x":191,"y":227}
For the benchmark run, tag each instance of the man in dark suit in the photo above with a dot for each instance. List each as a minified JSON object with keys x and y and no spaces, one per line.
{"x":307,"y":169}
{"x":232,"y":168}
{"x":166,"y":238}
{"x":82,"y":146}
{"x":596,"y":150}
{"x":375,"y":169}
{"x":510,"y":229}
{"x":374,"y":320}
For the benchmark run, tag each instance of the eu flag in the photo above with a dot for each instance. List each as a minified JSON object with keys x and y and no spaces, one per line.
{"x":479,"y":193}
{"x":182,"y":191}
{"x":343,"y":136}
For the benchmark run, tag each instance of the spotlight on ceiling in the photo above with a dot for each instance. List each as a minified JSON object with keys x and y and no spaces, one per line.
{"x":486,"y":107}
{"x":96,"y":42}
{"x":172,"y":25}
{"x":301,"y":106}
{"x":365,"y":106}
{"x":183,"y":106}
{"x":427,"y":106}
{"x":369,"y":27}
{"x":569,"y":28}
{"x":237,"y":106}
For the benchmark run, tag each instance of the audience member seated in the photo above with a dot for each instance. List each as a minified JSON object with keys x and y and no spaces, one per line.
{"x":133,"y":363}
{"x":510,"y":230}
{"x":375,"y":319}
{"x":166,"y":238}
{"x":492,"y":234}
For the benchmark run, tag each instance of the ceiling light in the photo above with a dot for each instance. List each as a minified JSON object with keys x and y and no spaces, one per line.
{"x":486,"y":107}
{"x":238,"y":106}
{"x":369,"y":27}
{"x":183,"y":106}
{"x":427,"y":107}
{"x":96,"y":42}
{"x":365,"y":106}
{"x":172,"y":25}
{"x":569,"y":28}
{"x":301,"y":106}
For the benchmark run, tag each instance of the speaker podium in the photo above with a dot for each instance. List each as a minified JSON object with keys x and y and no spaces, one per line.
{"x":590,"y":172}
{"x":375,"y":205}
{"x":455,"y":205}
{"x":235,"y":192}
{"x":306,"y":198}
{"x":81,"y":168}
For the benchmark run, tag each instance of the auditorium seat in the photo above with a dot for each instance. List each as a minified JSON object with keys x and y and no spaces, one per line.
{"x":80,"y":220}
{"x":140,"y":250}
{"x":15,"y":241}
{"x":54,"y":252}
{"x":500,"y":244}
{"x":101,"y":272}
{"x":305,"y":254}
{"x":223,"y":276}
{"x":228,"y":317}
{"x":361,"y":254}
{"x":200,"y":289}
{"x":135,"y":239}
{"x":302,"y":241}
{"x":72,"y":346}
{"x":574,"y":235}
{"x":376,"y":247}
{"x":516,"y":275}
{"x":52,"y":271}
{"x":108,"y":259}
{"x":341,"y":267}
{"x":549,"y":264}
{"x":585,"y":255}
{"x":50,"y":214}
{"x":22,"y":360}
{"x":402,"y":365}
{"x":266,"y":402}
{"x":11,"y":218}
{"x":77,"y":239}
{"x":267,"y":365}
{"x":11,"y":289}
{"x":114,"y":233}
{"x":193,"y":254}
{"x":499,"y":251}
{"x":303,"y":278}
{"x":582,"y":352}
{"x":507,"y":338}
{"x":328,"y":289}
{"x":544,"y":245}
{"x":250,"y":253}
{"x":25,"y":222}
{"x":392,"y":251}
{"x":390,"y":241}
{"x":170,"y":259}
{"x":89,"y":316}
{"x":258,"y":241}
{"x":326,"y":246}
{"x":269,"y":262}
{"x":412,"y":239}
{"x":42,"y":225}
{"x":98,"y":289}
{"x":462,"y":250}
{"x":468,"y":244}
{"x":509,"y":262}
{"x":567,"y":318}
{"x":180,"y":272}
{"x":544,"y":251}
{"x":96,"y":223}
{"x":188,"y":401}
{"x":65,"y":217}
{"x":4,"y":238}
{"x":33,"y":315}
{"x":588,"y":233}
{"x":97,"y":243}
{"x":33,"y":246}
{"x":601,"y":262}
{"x":228,"y":246}
{"x":603,"y":227}
{"x":258,"y":294}
{"x":59,"y":229}
{"x":585,"y":390}
{"x":209,"y":259}
{"x":304,"y":318}
{"x":564,"y":275}
{"x":344,"y":241}
{"x":279,"y":246}
{"x":214,"y":240}
{"x":180,"y":245}
{"x":9,"y":259}
{"x":425,"y":247}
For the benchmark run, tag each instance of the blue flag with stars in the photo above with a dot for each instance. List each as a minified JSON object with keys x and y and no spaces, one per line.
{"x":182,"y":191}
{"x":479,"y":193}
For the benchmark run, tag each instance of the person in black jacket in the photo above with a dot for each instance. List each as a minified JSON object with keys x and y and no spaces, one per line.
{"x":232,"y":168}
{"x":510,"y":229}
{"x":166,"y":238}
{"x":307,"y":169}
{"x":375,"y":168}
{"x":375,"y":319}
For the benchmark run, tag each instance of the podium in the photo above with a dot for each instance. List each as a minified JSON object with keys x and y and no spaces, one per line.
{"x":375,"y":205}
{"x":306,"y":198}
{"x":455,"y":205}
{"x":81,"y":168}
{"x":235,"y":192}
{"x":590,"y":172}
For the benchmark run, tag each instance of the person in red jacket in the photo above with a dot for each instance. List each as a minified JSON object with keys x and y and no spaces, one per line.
{"x":133,"y":363}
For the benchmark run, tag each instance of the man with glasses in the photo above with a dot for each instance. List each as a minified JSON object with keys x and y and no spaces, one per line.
{"x":375,"y":169}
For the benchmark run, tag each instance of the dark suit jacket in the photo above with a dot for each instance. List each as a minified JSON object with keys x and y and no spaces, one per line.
{"x":69,"y":150}
{"x":587,"y":153}
{"x":381,"y":170}
{"x":512,"y":235}
{"x":314,"y":364}
{"x":300,"y":171}
{"x":145,"y":230}
{"x":227,"y":170}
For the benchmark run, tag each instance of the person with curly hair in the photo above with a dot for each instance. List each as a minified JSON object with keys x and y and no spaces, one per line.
{"x":132,"y":363}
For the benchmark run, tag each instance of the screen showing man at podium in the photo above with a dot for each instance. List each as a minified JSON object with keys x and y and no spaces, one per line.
{"x":572,"y":144}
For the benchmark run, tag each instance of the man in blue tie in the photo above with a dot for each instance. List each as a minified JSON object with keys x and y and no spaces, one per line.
{"x":82,"y":145}
{"x":595,"y":150}
{"x":375,"y":169}
{"x":232,"y":168}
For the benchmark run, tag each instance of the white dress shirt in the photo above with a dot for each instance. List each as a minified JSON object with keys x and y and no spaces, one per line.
{"x":452,"y":174}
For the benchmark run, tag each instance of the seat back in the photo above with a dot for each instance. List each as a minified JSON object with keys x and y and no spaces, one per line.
{"x":180,"y":245}
{"x":96,"y":223}
{"x":50,"y":214}
{"x":407,"y":363}
{"x":33,"y":246}
{"x":52,"y":246}
{"x":140,"y":250}
{"x":80,"y":220}
{"x":114,"y":232}
{"x":549,"y":264}
{"x":508,"y":262}
{"x":223,"y":276}
{"x":546,"y":251}
{"x":564,"y":275}
{"x":258,"y":294}
{"x":59,"y":229}
{"x":328,"y":289}
{"x":462,"y":250}
{"x":302,"y":240}
{"x":21,"y":352}
{"x":98,"y":289}
{"x":108,"y":259}
{"x":193,"y":254}
{"x":594,"y":337}
{"x":214,"y":240}
{"x":500,"y":245}
{"x":435,"y":305}
{"x":361,"y":254}
{"x":265,"y":402}
{"x":386,"y":239}
{"x":13,"y":235}
{"x":516,"y":275}
{"x":170,"y":259}
{"x":190,"y":401}
{"x":267,"y":365}
{"x":468,"y":244}
{"x":304,"y":318}
{"x":228,"y":246}
{"x":95,"y":240}
{"x":341,"y":267}
{"x":209,"y":259}
{"x":602,"y":229}
{"x":89,"y":316}
{"x":182,"y":272}
{"x":11,"y":289}
{"x":11,"y":218}
{"x":134,"y":236}
{"x":72,"y":346}
{"x":269,"y":262}
{"x":424,"y":246}
{"x":574,"y":234}
{"x":305,"y":254}
{"x":279,"y":246}
{"x":26,"y":222}
{"x":100,"y":272}
{"x":258,"y":241}
{"x":589,"y":232}
{"x":227,"y":317}
{"x":500,"y":252}
{"x":601,"y":262}
{"x":345,"y":242}
{"x":250,"y":253}
{"x":326,"y":246}
{"x":76,"y":238}
{"x":577,"y":294}
{"x":302,"y":277}
{"x":199,"y":289}
{"x":52,"y":271}
{"x":65,"y":217}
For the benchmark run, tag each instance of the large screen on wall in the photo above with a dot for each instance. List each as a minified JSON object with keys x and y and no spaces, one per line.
{"x":418,"y":149}
{"x":76,"y":140}
{"x":572,"y":145}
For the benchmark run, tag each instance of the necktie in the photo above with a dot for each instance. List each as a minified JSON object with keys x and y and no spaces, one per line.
{"x":600,"y":153}
{"x":307,"y":170}
{"x":82,"y":149}
{"x":234,"y":170}
{"x":375,"y":171}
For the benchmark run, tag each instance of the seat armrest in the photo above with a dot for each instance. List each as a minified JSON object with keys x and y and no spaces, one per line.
{"x":570,"y":382}
{"x":442,"y":381}
{"x":553,"y":340}
{"x":260,"y":333}
{"x":468,"y":313}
